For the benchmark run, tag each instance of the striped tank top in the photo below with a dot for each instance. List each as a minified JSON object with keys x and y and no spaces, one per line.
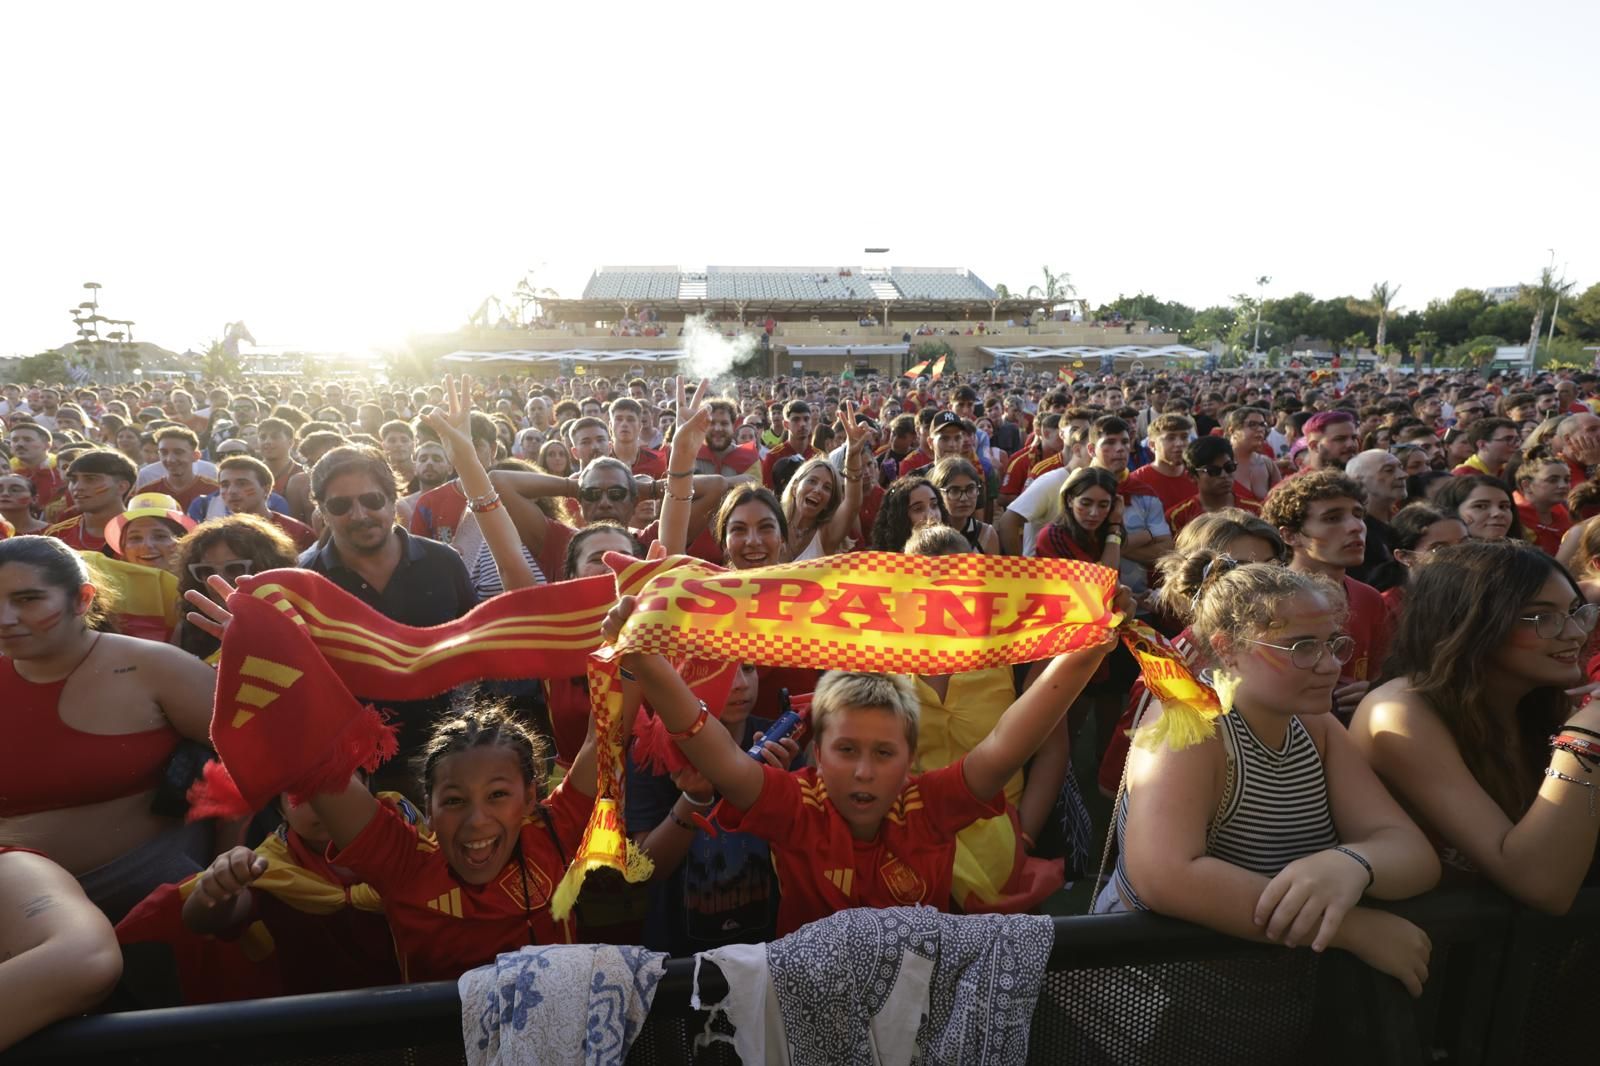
{"x":1274,"y":806}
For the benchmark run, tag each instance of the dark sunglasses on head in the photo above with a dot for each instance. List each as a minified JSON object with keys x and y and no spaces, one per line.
{"x":594,"y":494}
{"x":1229,"y":467}
{"x":233,"y":570}
{"x":340,"y":505}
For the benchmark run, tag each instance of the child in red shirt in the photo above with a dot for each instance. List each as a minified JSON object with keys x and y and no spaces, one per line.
{"x":328,"y":930}
{"x":857,"y":829}
{"x":479,"y":881}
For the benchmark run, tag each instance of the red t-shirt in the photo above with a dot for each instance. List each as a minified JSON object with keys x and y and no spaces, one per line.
{"x":280,"y":485}
{"x":1172,"y":490}
{"x":738,"y":462}
{"x":1017,"y":474}
{"x":73,"y":535}
{"x":302,"y":535}
{"x":439,"y":511}
{"x":1190,"y":509}
{"x":202,"y":486}
{"x":650,"y":464}
{"x":48,"y":481}
{"x":824,"y":869}
{"x":1369,"y":625}
{"x":913,"y":462}
{"x":782,"y":451}
{"x":444,"y":927}
{"x":1546,"y":536}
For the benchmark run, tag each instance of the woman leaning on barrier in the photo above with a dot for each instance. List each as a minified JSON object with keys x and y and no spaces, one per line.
{"x":1275,"y":829}
{"x":1476,"y":732}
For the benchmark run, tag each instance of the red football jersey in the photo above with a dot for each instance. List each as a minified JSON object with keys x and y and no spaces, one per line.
{"x":444,"y":927}
{"x":823,"y":869}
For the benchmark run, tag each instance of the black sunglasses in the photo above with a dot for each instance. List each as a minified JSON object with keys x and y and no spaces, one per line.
{"x":233,"y":570}
{"x":340,"y":505}
{"x":594,"y":493}
{"x":1217,"y":471}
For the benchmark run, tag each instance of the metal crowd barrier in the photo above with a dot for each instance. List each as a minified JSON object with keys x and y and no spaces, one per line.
{"x":1506,"y":986}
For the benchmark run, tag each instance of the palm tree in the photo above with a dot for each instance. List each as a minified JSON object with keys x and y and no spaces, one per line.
{"x":1056,"y":289}
{"x":1380,"y":305}
{"x":1548,"y":292}
{"x":1422,"y":344}
{"x":1002,"y":293}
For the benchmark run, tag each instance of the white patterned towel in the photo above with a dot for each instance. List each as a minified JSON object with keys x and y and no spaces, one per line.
{"x":558,"y":1006}
{"x":885,"y":987}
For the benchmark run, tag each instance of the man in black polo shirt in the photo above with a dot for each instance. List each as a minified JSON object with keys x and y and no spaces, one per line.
{"x":410,"y":579}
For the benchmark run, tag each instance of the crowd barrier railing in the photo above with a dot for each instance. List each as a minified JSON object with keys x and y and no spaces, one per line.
{"x":1506,"y":986}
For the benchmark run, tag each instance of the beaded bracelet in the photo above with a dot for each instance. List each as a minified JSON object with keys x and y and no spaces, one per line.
{"x":1362,"y":859}
{"x":481,"y":504}
{"x":693,"y":730}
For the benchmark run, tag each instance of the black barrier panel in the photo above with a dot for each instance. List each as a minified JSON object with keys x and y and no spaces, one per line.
{"x":1506,"y":986}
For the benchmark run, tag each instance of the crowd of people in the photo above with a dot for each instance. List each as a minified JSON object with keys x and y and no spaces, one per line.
{"x":1392,"y":582}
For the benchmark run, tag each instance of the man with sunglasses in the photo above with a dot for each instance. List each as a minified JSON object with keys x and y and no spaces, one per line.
{"x":411,"y":579}
{"x":1209,"y":461}
{"x":1321,"y":517}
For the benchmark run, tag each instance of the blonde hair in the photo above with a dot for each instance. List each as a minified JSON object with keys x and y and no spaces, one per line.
{"x":1219,"y":597}
{"x":843,"y":690}
{"x":1218,"y":529}
{"x":791,"y":491}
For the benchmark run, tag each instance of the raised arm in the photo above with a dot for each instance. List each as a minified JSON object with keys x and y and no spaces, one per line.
{"x":518,"y":488}
{"x":677,"y":503}
{"x":499,"y":532}
{"x":1031,"y":717}
{"x":712,"y":751}
{"x":844,"y":516}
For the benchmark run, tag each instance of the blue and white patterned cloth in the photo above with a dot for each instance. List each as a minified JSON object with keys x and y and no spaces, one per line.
{"x":560,"y":1005}
{"x":890,"y":986}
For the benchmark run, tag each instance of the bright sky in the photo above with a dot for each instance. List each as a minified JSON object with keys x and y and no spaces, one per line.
{"x":338,"y":174}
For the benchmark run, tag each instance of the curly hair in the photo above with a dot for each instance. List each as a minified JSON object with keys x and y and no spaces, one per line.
{"x":892,"y":528}
{"x":247,"y":537}
{"x":1288,"y":505}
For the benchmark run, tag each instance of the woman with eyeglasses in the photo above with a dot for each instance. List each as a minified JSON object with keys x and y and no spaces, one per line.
{"x":231,"y":548}
{"x":961,"y":486}
{"x":1275,"y":829}
{"x":1476,"y":730}
{"x":92,"y":720}
{"x":1415,"y":533}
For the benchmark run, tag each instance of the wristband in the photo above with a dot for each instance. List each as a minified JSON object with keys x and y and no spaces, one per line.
{"x":1362,"y":859}
{"x":483,"y":504}
{"x":1114,"y":538}
{"x":693,"y":730}
{"x":679,"y":822}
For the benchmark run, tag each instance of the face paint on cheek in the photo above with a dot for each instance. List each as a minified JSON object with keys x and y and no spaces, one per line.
{"x":49,"y":622}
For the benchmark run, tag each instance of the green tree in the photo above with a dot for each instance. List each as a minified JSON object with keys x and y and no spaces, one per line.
{"x":1423,"y":344}
{"x":1379,"y":304}
{"x":48,"y":366}
{"x":1356,"y":341}
{"x":1582,"y":319}
{"x":1452,"y":319}
{"x":1001,"y":292}
{"x":1542,"y":297}
{"x":1212,"y":324}
{"x":1057,"y":289}
{"x":216,"y":364}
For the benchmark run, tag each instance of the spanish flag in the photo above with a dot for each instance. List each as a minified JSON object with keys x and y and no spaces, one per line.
{"x":938,"y":367}
{"x":143,"y":600}
{"x":918,"y":370}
